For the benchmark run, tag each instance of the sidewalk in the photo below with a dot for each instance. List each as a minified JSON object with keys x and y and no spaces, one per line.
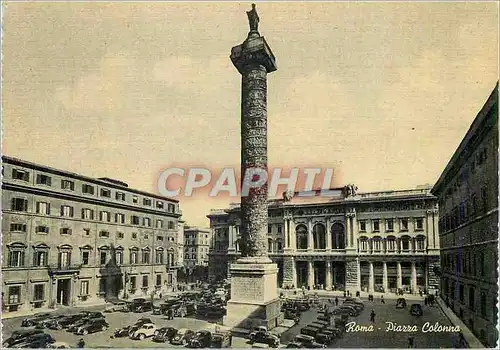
{"x":470,"y":338}
{"x":330,"y":293}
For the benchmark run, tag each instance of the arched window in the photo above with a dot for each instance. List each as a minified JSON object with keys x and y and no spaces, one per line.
{"x":338,"y":236}
{"x":420,"y":243}
{"x":363,"y":244}
{"x":405,"y":244}
{"x":301,"y":231}
{"x":319,"y":236}
{"x":269,"y":245}
{"x":391,"y":244}
{"x":377,"y":244}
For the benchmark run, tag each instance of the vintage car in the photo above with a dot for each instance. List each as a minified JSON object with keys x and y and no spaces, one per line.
{"x":64,"y":322}
{"x":182,"y":337}
{"x":310,"y":331}
{"x":36,"y":341}
{"x":33,"y":321}
{"x":164,"y":335}
{"x":401,"y":303}
{"x":42,"y":324}
{"x":262,"y":335}
{"x":92,"y":326}
{"x":324,"y":338}
{"x":294,"y":345}
{"x":20,"y":336}
{"x":121,"y":332}
{"x":201,"y":339}
{"x":59,"y":345}
{"x":222,"y":340}
{"x":307,"y":341}
{"x":119,"y":306}
{"x":135,"y":303}
{"x":416,"y":310}
{"x":145,"y":331}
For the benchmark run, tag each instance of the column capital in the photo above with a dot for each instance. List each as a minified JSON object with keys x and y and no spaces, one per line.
{"x":253,"y":51}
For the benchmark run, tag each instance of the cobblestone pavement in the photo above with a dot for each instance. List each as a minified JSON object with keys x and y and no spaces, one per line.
{"x":380,"y":338}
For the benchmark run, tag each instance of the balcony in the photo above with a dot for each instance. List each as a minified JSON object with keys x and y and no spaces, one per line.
{"x":60,"y":269}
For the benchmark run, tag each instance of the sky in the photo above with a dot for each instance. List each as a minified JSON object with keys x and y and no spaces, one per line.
{"x":381,"y":92}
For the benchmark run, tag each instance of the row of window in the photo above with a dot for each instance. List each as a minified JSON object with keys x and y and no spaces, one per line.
{"x":43,"y":208}
{"x":16,"y":258}
{"x":466,"y":211}
{"x":389,"y":225}
{"x":456,"y":291}
{"x":279,"y":228}
{"x":377,"y":244}
{"x":476,"y":160}
{"x":42,"y":179}
{"x":193,"y":256}
{"x":467,"y":263}
{"x":42,"y":229}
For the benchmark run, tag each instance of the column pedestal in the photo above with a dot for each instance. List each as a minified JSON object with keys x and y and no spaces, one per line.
{"x":254,"y":297}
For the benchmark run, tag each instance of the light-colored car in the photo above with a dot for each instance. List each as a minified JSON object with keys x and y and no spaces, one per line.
{"x":145,"y":331}
{"x":116,"y":307}
{"x":58,"y":345}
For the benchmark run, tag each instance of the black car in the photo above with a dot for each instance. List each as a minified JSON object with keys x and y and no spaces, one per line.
{"x":94,"y":325}
{"x":401,"y":303}
{"x":33,"y":321}
{"x":37,"y":341}
{"x":416,"y":310}
{"x":64,"y":321}
{"x":135,"y":303}
{"x":294,"y":345}
{"x":142,"y":321}
{"x":75,"y":325}
{"x":164,"y":335}
{"x":307,"y":341}
{"x":201,"y":339}
{"x":144,"y":307}
{"x":20,"y":335}
{"x":121,"y":332}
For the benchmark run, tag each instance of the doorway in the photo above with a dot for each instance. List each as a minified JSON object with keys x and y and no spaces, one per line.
{"x":319,"y":273}
{"x":63,"y":291}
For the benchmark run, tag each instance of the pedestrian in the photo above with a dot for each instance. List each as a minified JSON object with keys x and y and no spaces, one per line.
{"x":411,"y":342}
{"x":382,"y":299}
{"x":372,"y":316}
{"x":336,"y":301}
{"x":81,"y":343}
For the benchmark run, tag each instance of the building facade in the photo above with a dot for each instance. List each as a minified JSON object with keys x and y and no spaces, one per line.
{"x":380,"y":241}
{"x":75,"y":240}
{"x":468,"y":226}
{"x":196,"y":246}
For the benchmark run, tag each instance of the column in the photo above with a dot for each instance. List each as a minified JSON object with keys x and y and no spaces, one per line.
{"x":413,"y":277}
{"x":354,"y":236}
{"x":371,"y":280}
{"x":328,"y":234}
{"x":348,"y":230}
{"x":358,"y":273}
{"x":385,"y":283}
{"x":328,"y":275}
{"x":310,"y":237}
{"x":231,"y":238}
{"x":399,"y":277}
{"x":310,"y":274}
{"x":293,"y":236}
{"x":294,"y":272}
{"x":286,"y":234}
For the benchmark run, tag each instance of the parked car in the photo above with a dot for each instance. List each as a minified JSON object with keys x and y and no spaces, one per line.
{"x":401,"y":303}
{"x":182,"y":337}
{"x":294,"y":345}
{"x":358,"y":307}
{"x":416,"y":310}
{"x":77,"y":324}
{"x":307,"y":341}
{"x":19,"y":336}
{"x":121,"y":332}
{"x":92,"y":314}
{"x":33,"y":321}
{"x":64,"y":321}
{"x":144,"y":307}
{"x":262,"y":335}
{"x":92,"y":326}
{"x":310,"y":331}
{"x":222,"y":340}
{"x":119,"y":306}
{"x":136,"y":303}
{"x":37,"y":341}
{"x":145,"y":331}
{"x":59,"y":345}
{"x":142,"y":321}
{"x":201,"y":339}
{"x":42,"y":324}
{"x":324,"y":338}
{"x":164,"y":335}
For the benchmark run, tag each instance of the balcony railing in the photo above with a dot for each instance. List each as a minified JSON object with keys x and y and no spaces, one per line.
{"x":64,"y":268}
